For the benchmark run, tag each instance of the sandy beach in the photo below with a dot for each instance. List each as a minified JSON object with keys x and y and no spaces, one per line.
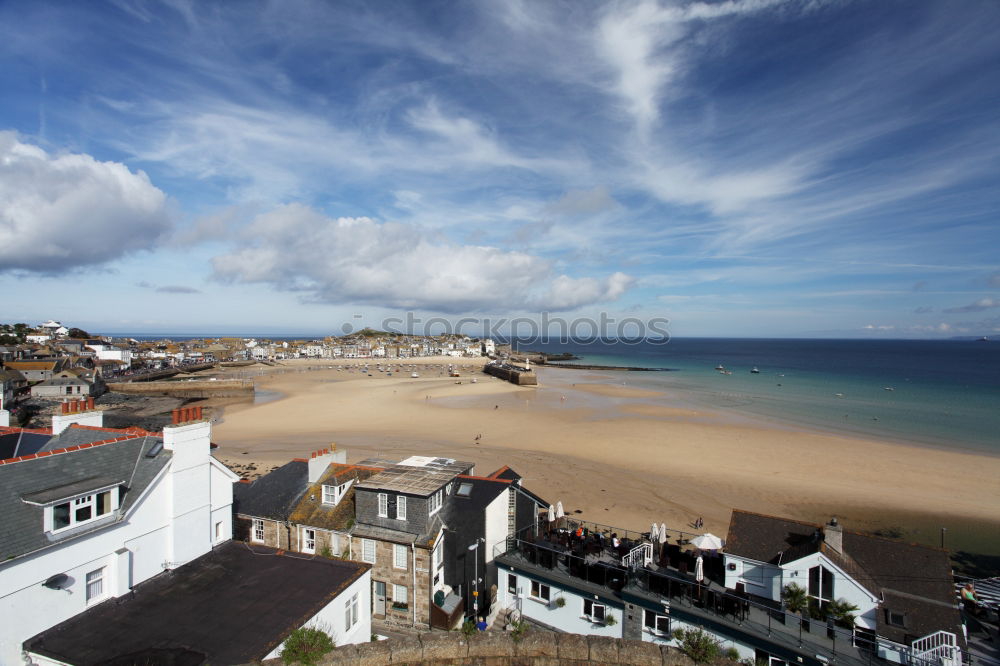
{"x":618,"y":455}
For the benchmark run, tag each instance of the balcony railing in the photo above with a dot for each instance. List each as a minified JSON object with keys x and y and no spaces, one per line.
{"x":588,"y":564}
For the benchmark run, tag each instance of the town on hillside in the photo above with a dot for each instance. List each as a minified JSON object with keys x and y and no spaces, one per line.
{"x":130,"y":544}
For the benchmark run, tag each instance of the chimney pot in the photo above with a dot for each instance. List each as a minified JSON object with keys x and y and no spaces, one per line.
{"x":175,"y":416}
{"x":90,"y":403}
{"x":198,"y":412}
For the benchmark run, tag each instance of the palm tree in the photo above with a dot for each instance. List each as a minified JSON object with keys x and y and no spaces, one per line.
{"x":796,"y":600}
{"x":842,"y":611}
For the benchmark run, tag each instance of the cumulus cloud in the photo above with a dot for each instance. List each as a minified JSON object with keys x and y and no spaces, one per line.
{"x":979,"y":306}
{"x":60,"y":212}
{"x":362,"y":260}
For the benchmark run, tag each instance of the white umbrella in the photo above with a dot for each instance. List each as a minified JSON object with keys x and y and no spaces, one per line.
{"x":663,"y":532}
{"x":559,"y":510}
{"x":552,"y":513}
{"x":654,"y":533}
{"x":699,"y":569}
{"x":707,"y":542}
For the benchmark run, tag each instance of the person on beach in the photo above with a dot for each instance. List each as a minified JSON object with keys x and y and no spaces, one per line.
{"x":969,"y":598}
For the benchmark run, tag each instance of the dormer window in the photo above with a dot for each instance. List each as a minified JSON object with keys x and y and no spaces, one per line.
{"x":77,"y":503}
{"x":434,"y":502}
{"x":333,"y":494}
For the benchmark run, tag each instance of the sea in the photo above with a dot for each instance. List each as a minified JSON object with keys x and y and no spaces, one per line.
{"x":940,"y":393}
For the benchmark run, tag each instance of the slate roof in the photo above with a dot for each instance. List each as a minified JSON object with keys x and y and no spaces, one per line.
{"x":15,"y":442}
{"x":910,"y":579}
{"x":233,"y":605}
{"x":273,"y":495}
{"x":21,"y":530}
{"x":310,"y":509}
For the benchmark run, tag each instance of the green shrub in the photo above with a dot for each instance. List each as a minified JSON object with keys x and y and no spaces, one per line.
{"x":469,"y":628}
{"x":610,"y":620}
{"x":518,"y":629}
{"x":306,"y":646}
{"x":560,"y":601}
{"x":698,"y":645}
{"x":732,"y":654}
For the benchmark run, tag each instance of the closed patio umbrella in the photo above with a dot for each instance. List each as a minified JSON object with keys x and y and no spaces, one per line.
{"x":552,"y":513}
{"x":654,"y":533}
{"x":699,"y":569}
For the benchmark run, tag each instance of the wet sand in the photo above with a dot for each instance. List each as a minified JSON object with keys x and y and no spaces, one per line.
{"x":623,"y":456}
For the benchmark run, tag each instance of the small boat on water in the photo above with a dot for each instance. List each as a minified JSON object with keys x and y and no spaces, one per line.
{"x":839,"y":395}
{"x":414,"y":375}
{"x":888,"y":388}
{"x":720,"y":367}
{"x":754,"y":370}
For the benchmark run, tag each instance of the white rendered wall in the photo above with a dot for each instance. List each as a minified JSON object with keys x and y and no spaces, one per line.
{"x":332,"y":617}
{"x":569,"y":618}
{"x":844,"y":586}
{"x":153,"y":534}
{"x":765,"y":582}
{"x":94,"y":418}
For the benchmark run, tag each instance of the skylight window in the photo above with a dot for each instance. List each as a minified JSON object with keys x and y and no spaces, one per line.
{"x":464,"y":489}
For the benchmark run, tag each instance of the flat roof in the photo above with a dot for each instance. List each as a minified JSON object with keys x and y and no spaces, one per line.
{"x":417,"y":475}
{"x":233,"y":605}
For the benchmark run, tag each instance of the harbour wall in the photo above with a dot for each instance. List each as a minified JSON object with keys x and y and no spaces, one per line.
{"x":512,"y":374}
{"x":225,"y":388}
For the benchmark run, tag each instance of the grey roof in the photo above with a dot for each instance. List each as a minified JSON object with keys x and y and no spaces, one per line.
{"x":273,"y":495}
{"x":21,"y":530}
{"x":65,"y":381}
{"x":72,"y":489}
{"x":74,"y":435}
{"x":416,"y":475}
{"x":233,"y":605}
{"x":15,"y":442}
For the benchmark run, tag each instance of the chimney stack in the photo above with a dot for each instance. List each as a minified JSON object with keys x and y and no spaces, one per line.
{"x":833,"y":535}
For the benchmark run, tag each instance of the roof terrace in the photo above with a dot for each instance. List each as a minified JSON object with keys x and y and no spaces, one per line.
{"x":664,"y":574}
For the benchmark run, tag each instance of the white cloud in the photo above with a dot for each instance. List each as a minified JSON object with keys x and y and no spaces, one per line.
{"x":59,"y":212}
{"x":361,"y":260}
{"x":979,"y":306}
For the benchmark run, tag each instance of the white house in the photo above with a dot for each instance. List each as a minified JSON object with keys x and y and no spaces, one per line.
{"x":91,"y":512}
{"x":903,"y":593}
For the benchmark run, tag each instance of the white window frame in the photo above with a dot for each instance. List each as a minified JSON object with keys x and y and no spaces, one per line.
{"x":257,"y":530}
{"x":655,"y":629}
{"x":512,"y":584}
{"x":351,"y":613}
{"x":540,"y":592}
{"x":435,"y":502}
{"x":94,"y":585}
{"x":365,"y":545}
{"x":218,"y":531}
{"x":401,"y":507}
{"x":437,"y":555}
{"x":79,"y":502}
{"x":306,"y":539}
{"x":594,"y":611}
{"x":400,"y":595}
{"x":330,"y":495}
{"x":383,"y":505}
{"x":399,"y":555}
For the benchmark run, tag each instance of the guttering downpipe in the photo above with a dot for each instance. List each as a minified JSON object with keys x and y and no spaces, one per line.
{"x":413,"y":556}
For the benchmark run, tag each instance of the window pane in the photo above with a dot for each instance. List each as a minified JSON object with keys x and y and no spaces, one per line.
{"x":401,"y":508}
{"x":598,"y":612}
{"x":60,"y":516}
{"x":814,"y":582}
{"x":82,"y":514}
{"x":649,"y":619}
{"x":545,"y":592}
{"x":104,"y":503}
{"x":511,"y":583}
{"x":95,"y":584}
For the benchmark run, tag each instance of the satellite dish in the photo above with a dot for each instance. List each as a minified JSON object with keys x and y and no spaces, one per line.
{"x":56,"y":582}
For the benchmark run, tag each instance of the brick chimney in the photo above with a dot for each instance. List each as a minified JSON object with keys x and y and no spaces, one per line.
{"x":833,"y":535}
{"x":80,"y":411}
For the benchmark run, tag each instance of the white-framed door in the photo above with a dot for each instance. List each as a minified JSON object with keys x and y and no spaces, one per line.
{"x":378,"y":597}
{"x":308,"y":540}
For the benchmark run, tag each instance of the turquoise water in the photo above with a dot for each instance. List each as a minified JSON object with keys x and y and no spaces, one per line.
{"x":945,"y":393}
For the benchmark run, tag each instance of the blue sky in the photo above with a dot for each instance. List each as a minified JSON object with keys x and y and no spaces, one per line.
{"x":757,"y":168}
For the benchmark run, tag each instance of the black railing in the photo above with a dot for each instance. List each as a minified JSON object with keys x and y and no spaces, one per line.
{"x":588,"y":561}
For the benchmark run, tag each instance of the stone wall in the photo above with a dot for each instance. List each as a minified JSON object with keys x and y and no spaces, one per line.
{"x":224,"y":388}
{"x":497,"y":648}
